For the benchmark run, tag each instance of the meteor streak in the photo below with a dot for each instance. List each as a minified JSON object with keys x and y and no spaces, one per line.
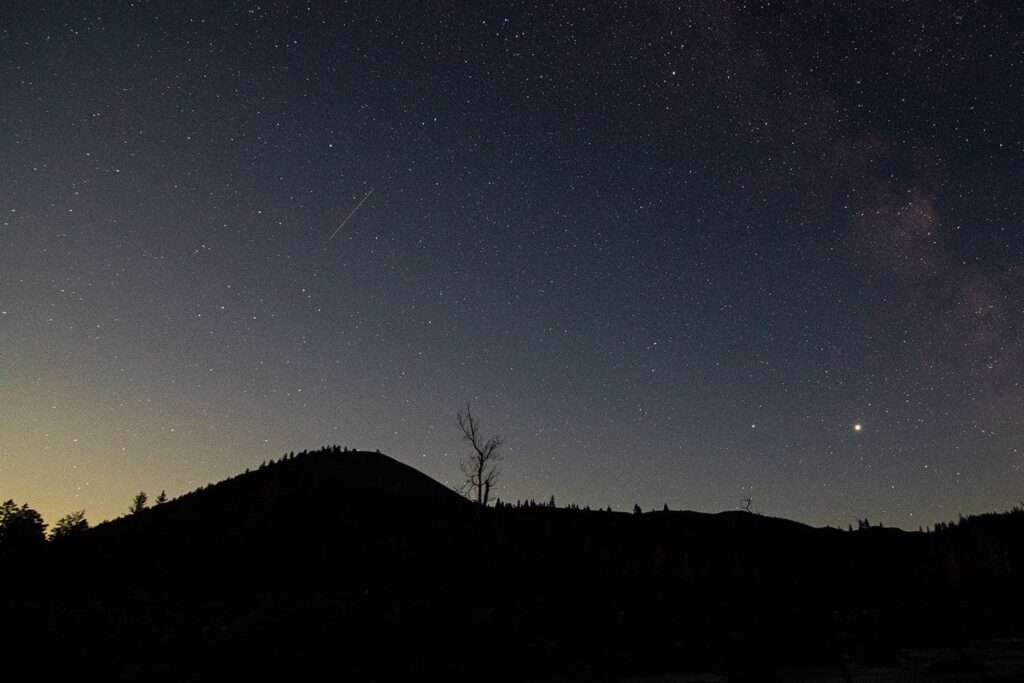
{"x":350,"y":214}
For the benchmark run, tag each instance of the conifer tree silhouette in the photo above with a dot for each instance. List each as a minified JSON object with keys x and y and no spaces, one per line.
{"x":139,"y":503}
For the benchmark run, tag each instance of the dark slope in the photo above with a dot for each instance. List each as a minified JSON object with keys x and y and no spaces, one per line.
{"x":353,"y":561}
{"x":329,"y":513}
{"x":321,"y":479}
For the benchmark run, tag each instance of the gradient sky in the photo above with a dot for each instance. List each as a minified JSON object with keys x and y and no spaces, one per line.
{"x":673,"y":252}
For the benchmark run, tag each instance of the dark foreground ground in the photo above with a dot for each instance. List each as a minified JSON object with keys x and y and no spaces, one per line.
{"x":353,"y":564}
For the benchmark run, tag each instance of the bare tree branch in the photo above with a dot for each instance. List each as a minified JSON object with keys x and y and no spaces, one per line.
{"x":479,"y":467}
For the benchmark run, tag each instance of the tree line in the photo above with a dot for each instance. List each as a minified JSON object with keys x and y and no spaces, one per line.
{"x":23,"y":528}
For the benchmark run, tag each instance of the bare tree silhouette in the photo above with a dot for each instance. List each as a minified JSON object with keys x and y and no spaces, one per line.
{"x":479,"y":467}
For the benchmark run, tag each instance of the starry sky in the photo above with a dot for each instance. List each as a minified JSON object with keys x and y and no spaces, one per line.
{"x":673,"y":252}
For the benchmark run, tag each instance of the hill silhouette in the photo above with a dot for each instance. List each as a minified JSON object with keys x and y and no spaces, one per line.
{"x":354,"y":561}
{"x":326,"y":514}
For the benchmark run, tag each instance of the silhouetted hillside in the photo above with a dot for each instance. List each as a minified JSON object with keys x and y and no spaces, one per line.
{"x":328,"y":513}
{"x":354,"y":561}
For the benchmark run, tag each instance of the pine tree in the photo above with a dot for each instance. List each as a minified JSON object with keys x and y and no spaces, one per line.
{"x":139,"y":503}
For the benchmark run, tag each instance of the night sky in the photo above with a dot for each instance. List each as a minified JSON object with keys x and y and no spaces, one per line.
{"x":673,"y":252}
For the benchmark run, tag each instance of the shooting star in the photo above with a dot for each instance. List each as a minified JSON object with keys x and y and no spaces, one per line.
{"x":350,"y":214}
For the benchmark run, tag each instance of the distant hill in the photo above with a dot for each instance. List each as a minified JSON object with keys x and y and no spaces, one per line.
{"x":353,"y":561}
{"x":333,"y":510}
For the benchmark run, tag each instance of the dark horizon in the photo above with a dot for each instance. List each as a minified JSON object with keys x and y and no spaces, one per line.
{"x":686,"y":255}
{"x":746,"y":506}
{"x":359,"y":565}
